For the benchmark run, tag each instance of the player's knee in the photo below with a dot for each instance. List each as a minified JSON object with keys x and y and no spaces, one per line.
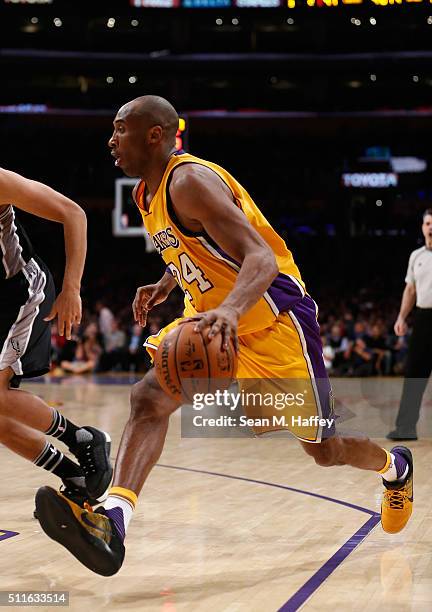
{"x":147,"y":399}
{"x":322,"y":453}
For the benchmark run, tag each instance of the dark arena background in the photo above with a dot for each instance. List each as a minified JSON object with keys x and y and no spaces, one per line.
{"x":322,"y":110}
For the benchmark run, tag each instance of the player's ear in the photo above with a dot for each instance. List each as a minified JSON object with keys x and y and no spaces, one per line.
{"x":155,"y":134}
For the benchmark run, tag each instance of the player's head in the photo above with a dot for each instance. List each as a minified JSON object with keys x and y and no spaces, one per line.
{"x":144,"y":129}
{"x":427,"y":224}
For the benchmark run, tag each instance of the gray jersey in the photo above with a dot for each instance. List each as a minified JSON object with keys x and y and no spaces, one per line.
{"x":419,"y":273}
{"x":15,"y":247}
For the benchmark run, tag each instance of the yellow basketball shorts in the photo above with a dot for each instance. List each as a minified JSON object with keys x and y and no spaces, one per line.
{"x":284,"y":359}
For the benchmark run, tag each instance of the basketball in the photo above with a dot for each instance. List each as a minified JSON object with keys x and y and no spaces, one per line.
{"x":187,"y":362}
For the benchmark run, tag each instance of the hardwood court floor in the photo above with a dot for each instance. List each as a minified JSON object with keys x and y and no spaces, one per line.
{"x":203,"y":541}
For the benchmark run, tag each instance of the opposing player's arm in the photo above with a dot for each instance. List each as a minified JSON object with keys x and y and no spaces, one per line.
{"x":42,"y":201}
{"x":203,"y":202}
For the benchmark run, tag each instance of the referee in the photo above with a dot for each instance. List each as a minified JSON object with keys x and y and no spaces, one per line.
{"x":418,"y":291}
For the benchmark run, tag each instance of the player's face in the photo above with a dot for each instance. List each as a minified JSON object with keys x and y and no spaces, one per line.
{"x":129,"y":144}
{"x":427,"y":227}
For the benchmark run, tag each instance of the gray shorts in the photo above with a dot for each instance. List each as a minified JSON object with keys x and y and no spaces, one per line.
{"x":25,"y":338}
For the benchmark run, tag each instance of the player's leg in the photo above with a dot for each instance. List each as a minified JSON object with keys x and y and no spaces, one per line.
{"x":144,"y":435}
{"x":357,"y":452}
{"x":295,"y":341}
{"x":32,"y":412}
{"x":34,"y":447}
{"x":395,"y":467}
{"x":96,"y":538}
{"x":25,"y":346}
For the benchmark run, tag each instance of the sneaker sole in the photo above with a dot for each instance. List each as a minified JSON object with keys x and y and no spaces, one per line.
{"x":59,"y":523}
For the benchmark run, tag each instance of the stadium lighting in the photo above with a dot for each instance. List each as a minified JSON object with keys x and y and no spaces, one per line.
{"x":134,"y":23}
{"x":290,"y":21}
{"x":235,"y":21}
{"x":111,"y":22}
{"x":132,"y":79}
{"x":219,"y":21}
{"x":110,"y":79}
{"x":379,"y":203}
{"x":372,"y":21}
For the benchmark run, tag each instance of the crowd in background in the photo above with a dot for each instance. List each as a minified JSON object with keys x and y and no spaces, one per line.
{"x":357,"y":336}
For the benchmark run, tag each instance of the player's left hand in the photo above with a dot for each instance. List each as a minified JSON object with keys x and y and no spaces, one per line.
{"x":67,"y":308}
{"x":222,"y":320}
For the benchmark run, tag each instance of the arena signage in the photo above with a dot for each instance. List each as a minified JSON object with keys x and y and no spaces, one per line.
{"x":370,"y":179}
{"x":28,"y":1}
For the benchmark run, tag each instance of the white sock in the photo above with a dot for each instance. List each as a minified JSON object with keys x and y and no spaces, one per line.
{"x":117,"y":502}
{"x":391,"y":474}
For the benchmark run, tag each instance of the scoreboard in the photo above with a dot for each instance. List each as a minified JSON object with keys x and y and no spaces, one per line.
{"x":273,"y":3}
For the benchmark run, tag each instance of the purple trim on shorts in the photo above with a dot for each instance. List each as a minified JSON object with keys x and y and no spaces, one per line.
{"x":285,"y":292}
{"x":305,"y":314}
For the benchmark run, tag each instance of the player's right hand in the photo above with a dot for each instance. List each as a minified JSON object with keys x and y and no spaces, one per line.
{"x":67,"y":308}
{"x":400,"y":327}
{"x":145,"y":299}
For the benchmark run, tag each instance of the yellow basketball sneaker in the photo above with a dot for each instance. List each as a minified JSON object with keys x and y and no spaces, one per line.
{"x":397,"y":504}
{"x":90,"y":536}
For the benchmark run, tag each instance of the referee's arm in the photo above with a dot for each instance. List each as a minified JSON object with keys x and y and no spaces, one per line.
{"x":407,"y":304}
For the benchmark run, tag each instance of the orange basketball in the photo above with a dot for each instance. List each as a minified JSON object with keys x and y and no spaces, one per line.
{"x":186,"y":362}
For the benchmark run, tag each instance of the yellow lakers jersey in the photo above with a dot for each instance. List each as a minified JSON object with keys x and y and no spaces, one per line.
{"x":202,"y":269}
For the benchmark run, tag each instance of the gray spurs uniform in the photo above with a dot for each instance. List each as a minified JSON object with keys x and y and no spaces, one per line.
{"x":26,"y":297}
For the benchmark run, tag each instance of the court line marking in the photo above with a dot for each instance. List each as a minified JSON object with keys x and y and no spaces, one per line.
{"x":4,"y":535}
{"x":296,"y":601}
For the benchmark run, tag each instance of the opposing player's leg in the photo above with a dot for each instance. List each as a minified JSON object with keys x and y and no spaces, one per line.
{"x":96,"y":538}
{"x":25,"y":347}
{"x":33,"y":446}
{"x":90,"y":446}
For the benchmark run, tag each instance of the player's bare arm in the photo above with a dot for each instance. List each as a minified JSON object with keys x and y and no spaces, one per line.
{"x":42,"y":201}
{"x":202,"y":202}
{"x":149,"y":296}
{"x":407,"y":304}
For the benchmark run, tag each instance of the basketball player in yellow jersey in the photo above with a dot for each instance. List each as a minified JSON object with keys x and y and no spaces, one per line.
{"x":240,"y":281}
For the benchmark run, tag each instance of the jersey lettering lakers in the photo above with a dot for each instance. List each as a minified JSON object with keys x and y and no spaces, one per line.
{"x":202,"y":269}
